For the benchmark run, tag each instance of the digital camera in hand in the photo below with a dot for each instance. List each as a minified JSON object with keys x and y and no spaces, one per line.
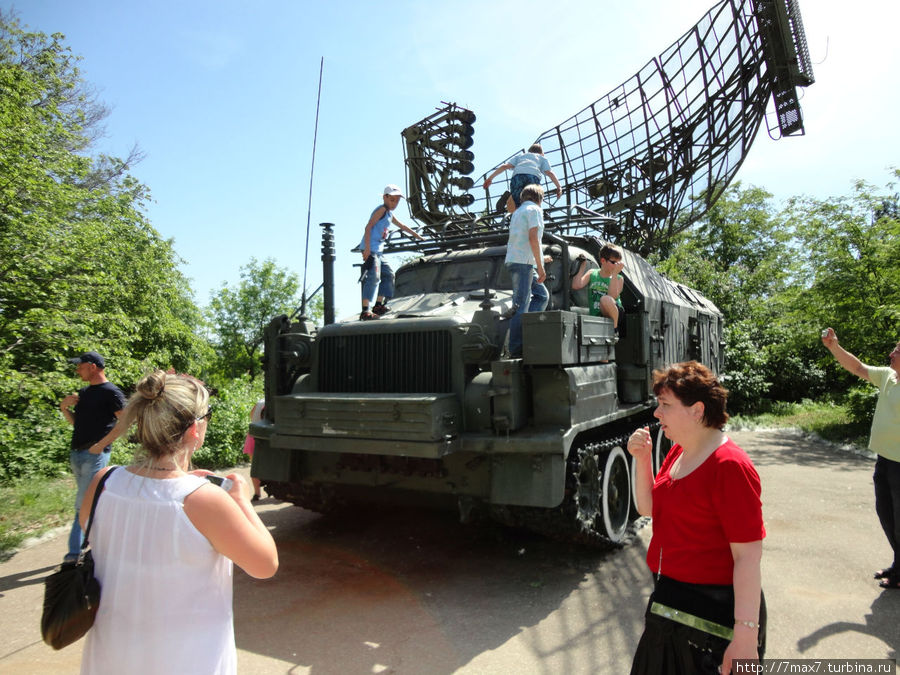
{"x":224,"y":483}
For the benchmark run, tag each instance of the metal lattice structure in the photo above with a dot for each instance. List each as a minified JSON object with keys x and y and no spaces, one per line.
{"x":654,"y":154}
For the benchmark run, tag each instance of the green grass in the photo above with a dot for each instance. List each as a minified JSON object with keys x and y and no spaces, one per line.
{"x":827,"y":420}
{"x":32,"y":506}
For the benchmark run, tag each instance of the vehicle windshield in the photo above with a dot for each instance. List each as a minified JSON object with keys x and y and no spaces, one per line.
{"x":447,"y":276}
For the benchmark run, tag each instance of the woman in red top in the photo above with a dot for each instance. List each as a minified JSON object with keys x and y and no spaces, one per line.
{"x":707,"y":607}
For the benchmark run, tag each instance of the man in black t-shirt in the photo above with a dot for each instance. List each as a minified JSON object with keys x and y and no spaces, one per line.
{"x":92,"y":412}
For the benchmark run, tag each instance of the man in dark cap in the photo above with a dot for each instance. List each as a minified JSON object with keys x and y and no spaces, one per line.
{"x":92,"y":412}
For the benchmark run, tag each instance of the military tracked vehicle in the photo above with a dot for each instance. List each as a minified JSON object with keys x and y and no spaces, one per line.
{"x":423,"y":405}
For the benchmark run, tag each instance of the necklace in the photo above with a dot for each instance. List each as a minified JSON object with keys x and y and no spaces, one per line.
{"x":160,"y":468}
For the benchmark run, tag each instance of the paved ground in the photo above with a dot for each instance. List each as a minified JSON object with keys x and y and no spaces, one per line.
{"x":407,"y":592}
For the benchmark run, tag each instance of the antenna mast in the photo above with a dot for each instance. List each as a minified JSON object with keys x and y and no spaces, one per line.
{"x":309,"y":201}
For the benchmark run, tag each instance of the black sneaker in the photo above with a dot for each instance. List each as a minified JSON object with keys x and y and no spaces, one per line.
{"x":367,"y":316}
{"x":380,"y":309}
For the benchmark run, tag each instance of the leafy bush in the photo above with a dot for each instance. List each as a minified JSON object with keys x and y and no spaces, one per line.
{"x":34,"y":444}
{"x":227,"y":429}
{"x":794,"y":378}
{"x":860,"y":402}
{"x":745,"y":372}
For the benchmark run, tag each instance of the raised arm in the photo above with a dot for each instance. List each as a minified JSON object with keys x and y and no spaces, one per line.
{"x":845,"y":358}
{"x":233,"y":527}
{"x":616,"y":283}
{"x":500,"y":169}
{"x":65,"y":407}
{"x":640,"y":445}
{"x":555,"y":180}
{"x":582,"y":277}
{"x":411,"y":232}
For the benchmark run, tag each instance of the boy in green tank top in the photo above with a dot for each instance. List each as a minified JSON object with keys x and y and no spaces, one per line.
{"x":604,"y":284}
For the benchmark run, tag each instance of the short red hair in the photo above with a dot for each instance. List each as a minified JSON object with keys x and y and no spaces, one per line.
{"x":690,"y":382}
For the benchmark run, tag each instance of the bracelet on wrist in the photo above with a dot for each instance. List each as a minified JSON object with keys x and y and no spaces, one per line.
{"x":748,"y":624}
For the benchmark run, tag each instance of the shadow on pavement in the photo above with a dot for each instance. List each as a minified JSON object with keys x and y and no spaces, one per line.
{"x":402,"y":590}
{"x":882,"y":623}
{"x":28,"y":578}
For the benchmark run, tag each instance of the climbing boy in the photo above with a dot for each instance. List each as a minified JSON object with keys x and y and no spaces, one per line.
{"x":378,"y":277}
{"x":525,"y":263}
{"x":527,"y":170}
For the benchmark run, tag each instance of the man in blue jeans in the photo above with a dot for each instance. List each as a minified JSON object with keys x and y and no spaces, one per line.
{"x":525,"y":263}
{"x":92,"y":412}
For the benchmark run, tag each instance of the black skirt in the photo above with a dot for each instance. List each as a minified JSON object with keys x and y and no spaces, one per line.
{"x":670,"y":647}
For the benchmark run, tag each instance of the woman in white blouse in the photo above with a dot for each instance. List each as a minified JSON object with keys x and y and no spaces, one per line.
{"x":164,"y":540}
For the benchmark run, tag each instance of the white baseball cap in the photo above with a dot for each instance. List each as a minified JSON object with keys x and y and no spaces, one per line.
{"x":392,"y":191}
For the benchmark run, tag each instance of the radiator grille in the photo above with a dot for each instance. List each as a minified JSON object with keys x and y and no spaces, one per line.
{"x":398,"y":363}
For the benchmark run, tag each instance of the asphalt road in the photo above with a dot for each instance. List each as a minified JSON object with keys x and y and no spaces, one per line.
{"x":408,"y":592}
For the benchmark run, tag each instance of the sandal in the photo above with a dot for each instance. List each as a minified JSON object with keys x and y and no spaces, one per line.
{"x":885,"y":573}
{"x":892,"y":581}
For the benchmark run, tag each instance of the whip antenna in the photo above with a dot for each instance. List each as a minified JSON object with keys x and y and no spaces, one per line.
{"x":309,"y":202}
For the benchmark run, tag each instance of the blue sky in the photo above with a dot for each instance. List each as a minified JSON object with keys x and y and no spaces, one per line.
{"x":221,"y":96}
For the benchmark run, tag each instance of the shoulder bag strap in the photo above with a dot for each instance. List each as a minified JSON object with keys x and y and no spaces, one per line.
{"x":97,"y":492}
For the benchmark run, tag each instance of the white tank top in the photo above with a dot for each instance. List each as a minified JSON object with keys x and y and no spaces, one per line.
{"x":165,"y":603}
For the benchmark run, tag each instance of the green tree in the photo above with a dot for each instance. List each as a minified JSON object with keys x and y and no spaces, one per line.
{"x":240,"y":314}
{"x":80,"y":266}
{"x":849,"y":277}
{"x":738,"y":256}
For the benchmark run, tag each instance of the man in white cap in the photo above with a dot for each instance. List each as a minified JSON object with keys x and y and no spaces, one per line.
{"x":92,"y":412}
{"x":378,"y":277}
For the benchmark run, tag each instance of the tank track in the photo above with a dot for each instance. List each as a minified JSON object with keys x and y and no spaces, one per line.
{"x":307,"y":495}
{"x":567,"y":522}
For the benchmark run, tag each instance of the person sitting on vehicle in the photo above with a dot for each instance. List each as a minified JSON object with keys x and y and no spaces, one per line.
{"x":604,"y":284}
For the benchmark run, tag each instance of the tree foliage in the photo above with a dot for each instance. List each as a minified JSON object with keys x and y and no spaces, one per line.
{"x":240,"y":314}
{"x":781,"y":277}
{"x":80,"y":266}
{"x":736,"y":256}
{"x":849,"y":277}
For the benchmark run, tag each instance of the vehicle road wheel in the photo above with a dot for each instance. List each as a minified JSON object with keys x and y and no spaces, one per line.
{"x":615,"y":498}
{"x":587,"y":489}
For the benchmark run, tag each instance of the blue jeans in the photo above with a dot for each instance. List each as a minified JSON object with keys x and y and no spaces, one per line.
{"x":85,"y":466}
{"x":378,"y":279}
{"x":525,"y":283}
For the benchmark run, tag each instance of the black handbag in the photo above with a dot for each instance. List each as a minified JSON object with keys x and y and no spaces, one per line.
{"x":72,"y":594}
